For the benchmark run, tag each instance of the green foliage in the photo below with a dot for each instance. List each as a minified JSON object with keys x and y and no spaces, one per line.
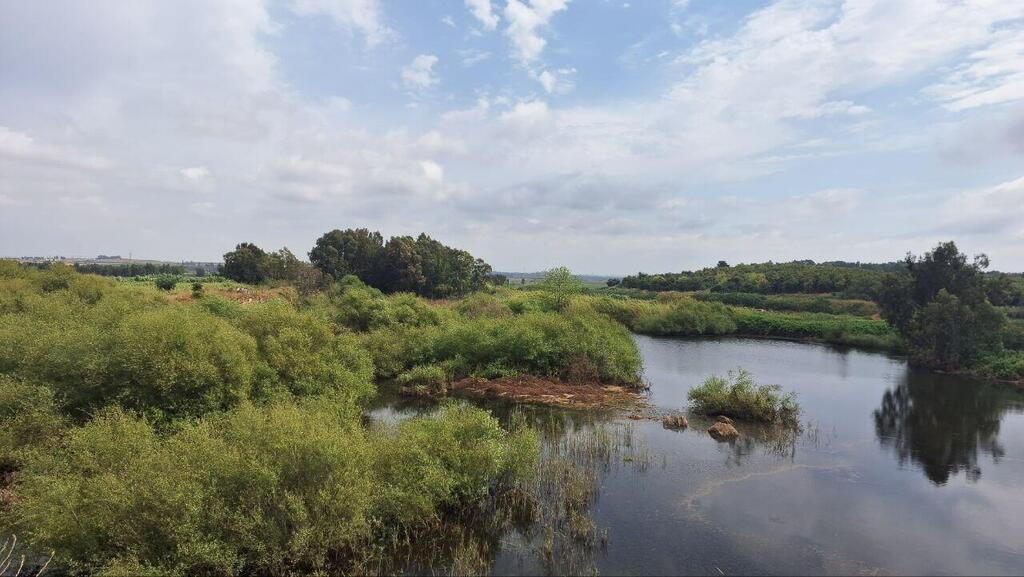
{"x":836,"y":329}
{"x":686,"y":317}
{"x":559,"y":286}
{"x":767,"y":278}
{"x":288,"y":487}
{"x":250,"y":264}
{"x":739,"y":397}
{"x":941,"y":306}
{"x":1007,"y":365}
{"x":794,"y":303}
{"x":364,"y":308}
{"x":546,"y":344}
{"x":303,"y":354}
{"x":29,"y":420}
{"x":952,"y":333}
{"x":428,"y":378}
{"x":245,"y":264}
{"x":127,"y":346}
{"x":483,"y":305}
{"x":422,"y":265}
{"x":131,"y":269}
{"x":1013,"y":335}
{"x":166,"y":282}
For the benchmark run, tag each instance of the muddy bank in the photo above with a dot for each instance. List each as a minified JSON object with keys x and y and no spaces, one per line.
{"x":545,"y":391}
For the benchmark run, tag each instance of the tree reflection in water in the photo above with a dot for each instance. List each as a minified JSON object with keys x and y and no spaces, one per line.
{"x":942,"y":422}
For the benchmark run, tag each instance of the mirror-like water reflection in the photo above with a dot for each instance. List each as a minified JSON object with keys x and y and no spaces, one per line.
{"x":896,"y":471}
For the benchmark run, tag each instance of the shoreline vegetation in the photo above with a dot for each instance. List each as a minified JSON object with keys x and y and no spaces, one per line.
{"x":210,"y":425}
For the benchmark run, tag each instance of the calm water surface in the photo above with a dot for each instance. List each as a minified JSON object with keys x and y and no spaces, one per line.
{"x":897,"y":471}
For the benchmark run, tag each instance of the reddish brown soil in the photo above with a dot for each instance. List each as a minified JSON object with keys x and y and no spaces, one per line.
{"x":527,"y":389}
{"x":239,"y":295}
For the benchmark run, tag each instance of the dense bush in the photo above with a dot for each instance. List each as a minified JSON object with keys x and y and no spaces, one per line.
{"x":431,"y":379}
{"x":288,"y":487}
{"x":795,"y":303}
{"x":118,"y":344}
{"x":166,"y":282}
{"x":29,"y":420}
{"x":1007,"y":365}
{"x":739,"y":397}
{"x":829,"y":328}
{"x":303,"y":354}
{"x":675,"y":314}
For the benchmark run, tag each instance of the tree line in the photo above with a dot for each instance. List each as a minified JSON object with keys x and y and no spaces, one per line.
{"x":419,"y":265}
{"x":130,"y":269}
{"x":766,"y":278}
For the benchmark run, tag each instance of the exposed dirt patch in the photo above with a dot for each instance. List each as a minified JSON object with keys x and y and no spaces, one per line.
{"x":528,"y":389}
{"x":239,"y":295}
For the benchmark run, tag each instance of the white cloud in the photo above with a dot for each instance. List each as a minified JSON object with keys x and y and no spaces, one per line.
{"x":203,"y":208}
{"x":361,"y":15}
{"x":432,"y":171}
{"x":125,"y":95}
{"x":526,"y":19}
{"x":473,"y":57}
{"x":448,"y":21}
{"x":993,"y":74}
{"x":988,"y":210}
{"x":483,"y":11}
{"x":195,"y":172}
{"x":21,"y":146}
{"x":419,"y":75}
{"x":558,"y":81}
{"x":827,"y":203}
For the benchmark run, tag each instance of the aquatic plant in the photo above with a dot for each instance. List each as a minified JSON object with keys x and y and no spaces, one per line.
{"x":739,"y":397}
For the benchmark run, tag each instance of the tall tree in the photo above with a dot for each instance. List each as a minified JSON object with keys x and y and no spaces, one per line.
{"x":245,"y":264}
{"x":402,"y":266}
{"x":940,"y":305}
{"x":352,"y":251}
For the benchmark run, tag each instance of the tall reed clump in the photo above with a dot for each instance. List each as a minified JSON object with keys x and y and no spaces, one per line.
{"x":739,"y":397}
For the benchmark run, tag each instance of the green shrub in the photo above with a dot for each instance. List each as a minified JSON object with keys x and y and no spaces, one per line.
{"x":1013,"y":335}
{"x":1008,"y":365}
{"x":290,"y":487}
{"x":830,"y":328}
{"x":166,"y":282}
{"x":29,"y":419}
{"x":428,"y":377}
{"x":303,"y":354}
{"x":544,"y":344}
{"x":479,"y":305}
{"x":738,"y":396}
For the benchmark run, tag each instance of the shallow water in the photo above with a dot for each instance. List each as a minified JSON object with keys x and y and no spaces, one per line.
{"x":897,"y":471}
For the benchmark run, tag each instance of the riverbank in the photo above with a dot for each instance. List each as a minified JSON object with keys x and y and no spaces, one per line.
{"x":541,"y":391}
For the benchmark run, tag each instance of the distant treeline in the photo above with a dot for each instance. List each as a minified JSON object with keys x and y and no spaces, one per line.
{"x":419,"y":265}
{"x":132,"y":269}
{"x":847,"y":280}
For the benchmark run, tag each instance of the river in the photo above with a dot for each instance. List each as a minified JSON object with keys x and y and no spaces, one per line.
{"x":897,"y":471}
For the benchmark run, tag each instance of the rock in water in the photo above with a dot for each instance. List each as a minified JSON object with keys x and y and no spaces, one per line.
{"x":675,"y":422}
{"x":724,"y":419}
{"x":723,"y":432}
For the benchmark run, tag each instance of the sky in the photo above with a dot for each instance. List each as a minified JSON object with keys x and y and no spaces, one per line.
{"x":609,"y":136}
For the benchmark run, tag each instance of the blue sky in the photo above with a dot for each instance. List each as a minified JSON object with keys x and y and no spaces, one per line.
{"x":608,"y":136}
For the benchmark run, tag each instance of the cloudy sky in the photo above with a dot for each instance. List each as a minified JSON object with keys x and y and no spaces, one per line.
{"x":607,"y":135}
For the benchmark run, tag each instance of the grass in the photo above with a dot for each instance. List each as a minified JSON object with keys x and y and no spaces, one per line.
{"x":676,"y":314}
{"x":739,"y":397}
{"x":793,"y":303}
